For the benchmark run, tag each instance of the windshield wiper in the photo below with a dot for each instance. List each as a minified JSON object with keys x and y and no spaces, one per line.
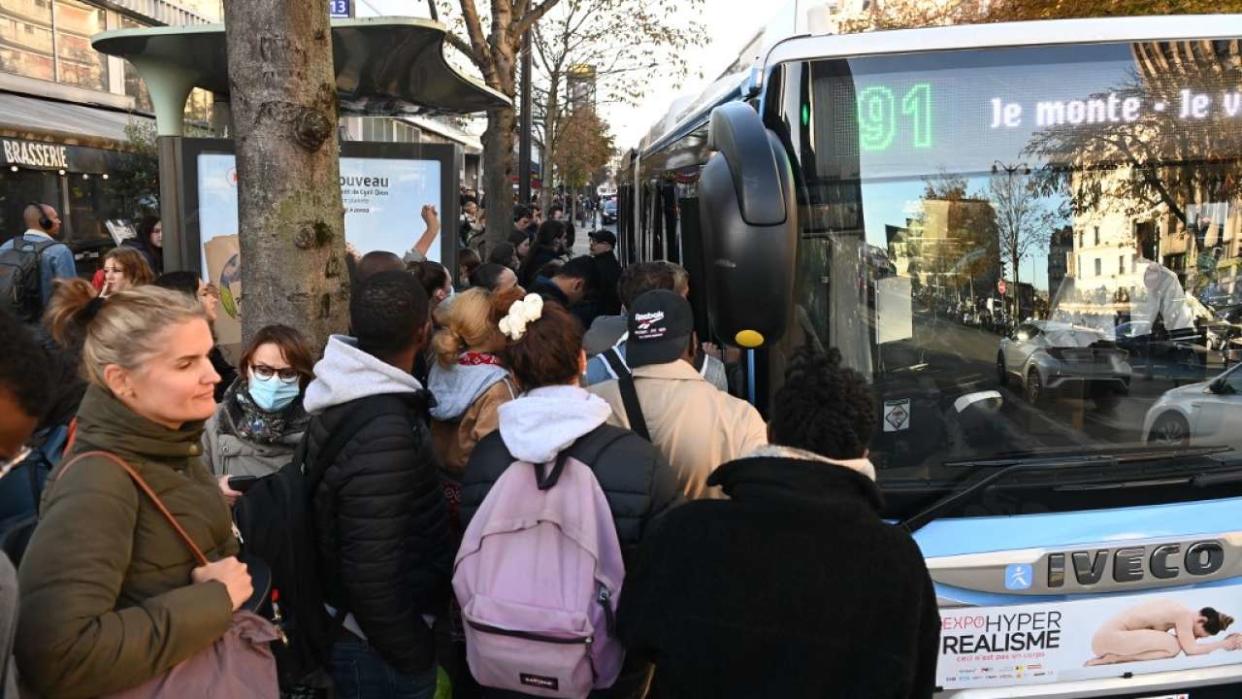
{"x":1008,"y":466}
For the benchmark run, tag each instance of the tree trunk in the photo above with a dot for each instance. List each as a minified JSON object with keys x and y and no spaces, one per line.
{"x":498,"y":167}
{"x":292,"y":224}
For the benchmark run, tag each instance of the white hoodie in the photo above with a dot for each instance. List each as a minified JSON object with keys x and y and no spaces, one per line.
{"x":347,"y":373}
{"x":539,"y":424}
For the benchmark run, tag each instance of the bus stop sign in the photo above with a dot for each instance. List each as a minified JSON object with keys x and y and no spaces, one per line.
{"x":340,"y":9}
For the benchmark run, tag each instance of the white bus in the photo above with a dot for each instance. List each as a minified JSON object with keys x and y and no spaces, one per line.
{"x":1029,"y":237}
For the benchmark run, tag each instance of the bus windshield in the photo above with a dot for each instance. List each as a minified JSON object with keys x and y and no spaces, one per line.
{"x":1045,"y":243}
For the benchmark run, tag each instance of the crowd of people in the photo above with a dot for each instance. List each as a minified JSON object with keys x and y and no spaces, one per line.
{"x":723,"y":553}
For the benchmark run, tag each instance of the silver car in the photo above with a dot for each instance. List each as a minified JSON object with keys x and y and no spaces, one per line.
{"x":1207,"y":413}
{"x":1048,"y":357}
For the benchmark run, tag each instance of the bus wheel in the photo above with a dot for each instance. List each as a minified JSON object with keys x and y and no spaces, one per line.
{"x":1170,"y":429}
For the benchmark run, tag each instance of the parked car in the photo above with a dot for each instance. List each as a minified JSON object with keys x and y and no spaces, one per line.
{"x":608,"y":211}
{"x":1049,"y":357}
{"x":1208,"y":412}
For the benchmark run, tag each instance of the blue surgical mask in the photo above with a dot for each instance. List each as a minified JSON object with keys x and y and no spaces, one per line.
{"x":272,"y":394}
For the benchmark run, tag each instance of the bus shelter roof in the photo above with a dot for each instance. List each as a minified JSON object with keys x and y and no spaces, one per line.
{"x":385,"y":66}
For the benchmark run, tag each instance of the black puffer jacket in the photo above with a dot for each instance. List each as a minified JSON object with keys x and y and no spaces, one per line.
{"x":385,"y":553}
{"x":637,"y":482}
{"x":793,"y":588}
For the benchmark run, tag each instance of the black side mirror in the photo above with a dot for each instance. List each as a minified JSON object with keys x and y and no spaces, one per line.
{"x":748,"y":218}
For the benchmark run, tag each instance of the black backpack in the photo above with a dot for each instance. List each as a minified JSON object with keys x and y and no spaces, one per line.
{"x":276,"y":524}
{"x":20,"y":494}
{"x":21,"y":282}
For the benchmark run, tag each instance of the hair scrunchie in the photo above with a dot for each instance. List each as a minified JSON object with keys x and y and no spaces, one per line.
{"x":521,"y":314}
{"x":91,"y":309}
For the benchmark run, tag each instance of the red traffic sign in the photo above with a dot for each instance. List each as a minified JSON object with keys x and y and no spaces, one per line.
{"x":1001,"y":287}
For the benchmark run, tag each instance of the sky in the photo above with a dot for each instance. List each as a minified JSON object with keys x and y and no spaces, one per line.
{"x":729,"y":24}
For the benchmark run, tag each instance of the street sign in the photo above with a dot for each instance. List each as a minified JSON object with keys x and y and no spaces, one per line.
{"x":1001,"y":286}
{"x":340,"y":9}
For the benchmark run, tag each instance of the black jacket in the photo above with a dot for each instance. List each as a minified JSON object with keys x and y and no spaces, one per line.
{"x":637,"y":481}
{"x":609,"y":273}
{"x":381,"y":527}
{"x":793,"y":588}
{"x":528,"y":272}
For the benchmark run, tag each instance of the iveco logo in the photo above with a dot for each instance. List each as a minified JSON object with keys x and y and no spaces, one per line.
{"x":1107,"y":566}
{"x":1136,"y":563}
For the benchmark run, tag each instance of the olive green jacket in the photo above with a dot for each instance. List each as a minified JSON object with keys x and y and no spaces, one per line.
{"x":106,"y":597}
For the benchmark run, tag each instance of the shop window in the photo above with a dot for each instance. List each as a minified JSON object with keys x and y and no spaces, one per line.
{"x":1099,"y":267}
{"x":80,"y":64}
{"x":90,"y":204}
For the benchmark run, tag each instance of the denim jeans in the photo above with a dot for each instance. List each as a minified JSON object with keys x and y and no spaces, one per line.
{"x":360,"y":673}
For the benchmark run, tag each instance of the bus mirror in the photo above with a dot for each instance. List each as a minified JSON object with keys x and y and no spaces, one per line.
{"x":748,"y":220}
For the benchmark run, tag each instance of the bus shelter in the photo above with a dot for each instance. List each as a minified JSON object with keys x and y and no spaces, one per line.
{"x":384,"y":67}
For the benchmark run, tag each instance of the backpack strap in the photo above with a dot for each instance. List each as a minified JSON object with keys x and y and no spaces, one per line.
{"x":629,"y":393}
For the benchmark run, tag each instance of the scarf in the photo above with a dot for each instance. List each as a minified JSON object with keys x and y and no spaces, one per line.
{"x":477,"y":358}
{"x":253,"y":424}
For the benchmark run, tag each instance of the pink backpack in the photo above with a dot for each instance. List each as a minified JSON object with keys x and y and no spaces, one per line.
{"x":538,"y":577}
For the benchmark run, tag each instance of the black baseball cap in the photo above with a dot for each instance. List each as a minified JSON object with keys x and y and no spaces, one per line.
{"x":604,"y":236}
{"x":660,"y":325}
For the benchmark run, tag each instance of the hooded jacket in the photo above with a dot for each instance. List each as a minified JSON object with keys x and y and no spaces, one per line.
{"x":793,"y":587}
{"x":467,"y":400}
{"x":380,"y":520}
{"x":227,"y":453}
{"x":637,"y":482}
{"x":106,"y":599}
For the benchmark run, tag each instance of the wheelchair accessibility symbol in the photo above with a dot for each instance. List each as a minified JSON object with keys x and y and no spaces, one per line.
{"x":1019,"y":576}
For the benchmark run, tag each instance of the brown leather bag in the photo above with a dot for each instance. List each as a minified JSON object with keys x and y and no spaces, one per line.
{"x":238,"y":665}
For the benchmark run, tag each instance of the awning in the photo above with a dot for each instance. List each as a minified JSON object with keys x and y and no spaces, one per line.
{"x":33,"y":118}
{"x":385,"y":66}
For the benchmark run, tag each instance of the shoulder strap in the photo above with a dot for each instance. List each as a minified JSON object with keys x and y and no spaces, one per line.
{"x":155,"y":499}
{"x":629,"y":394}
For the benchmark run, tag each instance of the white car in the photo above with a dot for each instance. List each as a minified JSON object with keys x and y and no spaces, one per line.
{"x":1047,"y":357}
{"x":1208,"y":413}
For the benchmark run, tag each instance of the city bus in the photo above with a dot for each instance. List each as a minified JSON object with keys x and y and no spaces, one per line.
{"x":1028,"y":238}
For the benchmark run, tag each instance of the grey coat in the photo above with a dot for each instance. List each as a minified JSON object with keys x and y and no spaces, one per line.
{"x":227,"y":454}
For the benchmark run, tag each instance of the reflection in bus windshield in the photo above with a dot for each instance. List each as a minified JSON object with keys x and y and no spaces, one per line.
{"x":1058,"y":225}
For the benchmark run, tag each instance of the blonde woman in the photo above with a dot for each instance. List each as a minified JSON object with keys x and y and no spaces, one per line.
{"x":468,"y":379}
{"x":110,"y":595}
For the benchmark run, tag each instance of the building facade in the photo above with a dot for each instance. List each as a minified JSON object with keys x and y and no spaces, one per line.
{"x":65,"y":110}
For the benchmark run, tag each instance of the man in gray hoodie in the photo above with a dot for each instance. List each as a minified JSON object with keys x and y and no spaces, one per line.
{"x":381,"y":525}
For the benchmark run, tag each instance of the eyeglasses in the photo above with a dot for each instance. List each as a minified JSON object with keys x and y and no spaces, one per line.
{"x":21,"y":455}
{"x":263,"y":371}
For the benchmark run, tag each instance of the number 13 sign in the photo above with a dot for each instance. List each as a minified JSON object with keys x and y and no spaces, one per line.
{"x":339,"y":9}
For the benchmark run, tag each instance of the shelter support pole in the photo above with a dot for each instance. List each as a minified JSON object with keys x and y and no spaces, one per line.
{"x":169,"y":87}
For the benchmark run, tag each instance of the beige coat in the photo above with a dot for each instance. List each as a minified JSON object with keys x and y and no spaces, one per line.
{"x":696,"y":426}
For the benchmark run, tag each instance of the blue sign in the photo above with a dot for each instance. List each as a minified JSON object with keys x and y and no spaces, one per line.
{"x":340,"y":9}
{"x":1019,"y":576}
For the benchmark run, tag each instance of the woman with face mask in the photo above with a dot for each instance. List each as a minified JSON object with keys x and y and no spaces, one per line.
{"x":258,"y":425}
